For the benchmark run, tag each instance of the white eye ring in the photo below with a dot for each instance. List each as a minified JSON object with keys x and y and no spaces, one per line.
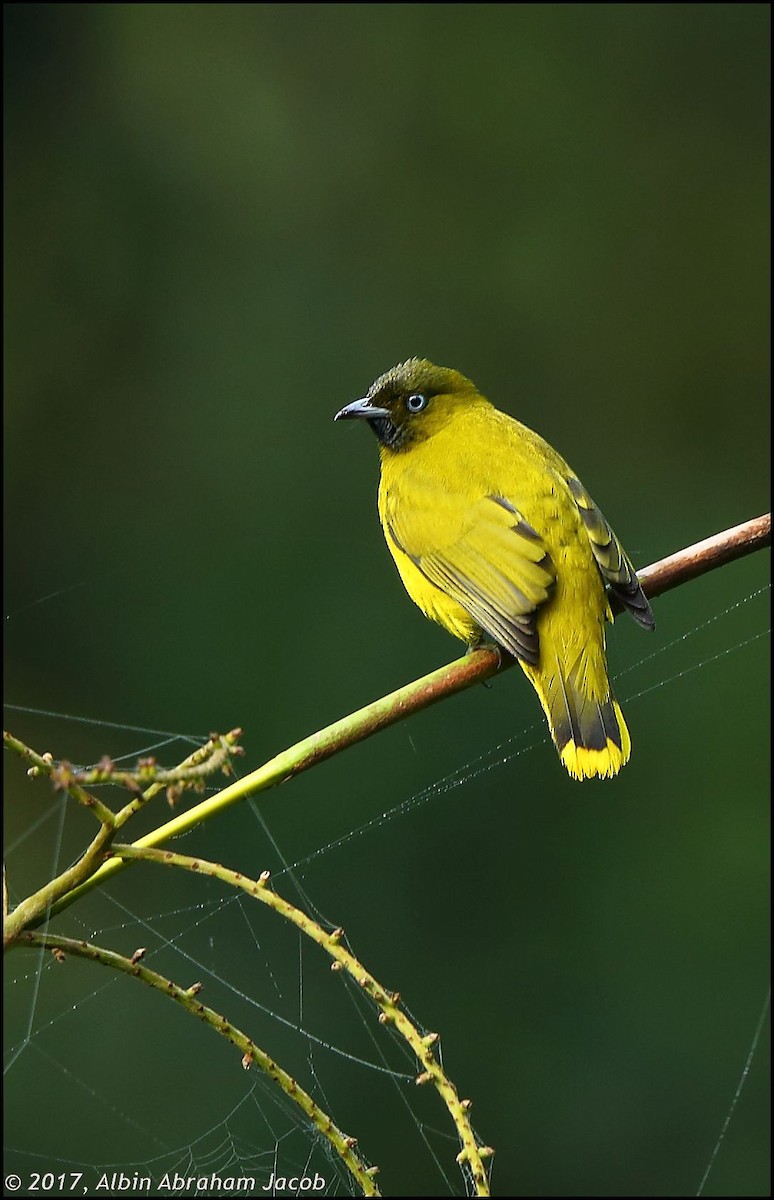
{"x":416,"y":402}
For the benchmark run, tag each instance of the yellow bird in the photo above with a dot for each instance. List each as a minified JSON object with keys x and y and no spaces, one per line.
{"x":496,"y":539}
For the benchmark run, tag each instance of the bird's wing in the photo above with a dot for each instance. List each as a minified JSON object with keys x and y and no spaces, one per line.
{"x":485,"y":556}
{"x":611,"y":558}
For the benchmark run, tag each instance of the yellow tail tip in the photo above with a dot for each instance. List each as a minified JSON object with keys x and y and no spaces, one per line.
{"x":589,"y":764}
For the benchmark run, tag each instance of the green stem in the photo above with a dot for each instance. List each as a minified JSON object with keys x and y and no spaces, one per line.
{"x":37,"y":908}
{"x":473,"y":668}
{"x":251,"y":1053}
{"x":389,"y":1002}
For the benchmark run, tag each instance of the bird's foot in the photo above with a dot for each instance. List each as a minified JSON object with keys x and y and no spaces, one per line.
{"x":486,"y":644}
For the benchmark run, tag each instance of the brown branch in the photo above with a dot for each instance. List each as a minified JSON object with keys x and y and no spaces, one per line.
{"x":705,"y":556}
{"x":480,"y":665}
{"x":475,"y":667}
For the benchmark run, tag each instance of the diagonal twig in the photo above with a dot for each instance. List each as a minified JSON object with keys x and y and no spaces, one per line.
{"x":475,"y":667}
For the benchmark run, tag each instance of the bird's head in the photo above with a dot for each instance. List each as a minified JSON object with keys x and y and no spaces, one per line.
{"x":411,"y":402}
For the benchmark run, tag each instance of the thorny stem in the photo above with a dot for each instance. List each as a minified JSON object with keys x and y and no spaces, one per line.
{"x":252,"y":1054}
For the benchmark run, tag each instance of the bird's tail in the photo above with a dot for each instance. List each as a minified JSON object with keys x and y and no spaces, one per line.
{"x":584,"y":717}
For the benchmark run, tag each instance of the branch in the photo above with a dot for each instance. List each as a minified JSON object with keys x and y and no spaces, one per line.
{"x":251,"y":1053}
{"x":475,"y":667}
{"x":33,"y":910}
{"x":391,"y":1010}
{"x":705,"y":556}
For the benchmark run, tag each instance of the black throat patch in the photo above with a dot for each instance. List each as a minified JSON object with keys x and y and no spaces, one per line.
{"x":388,"y":433}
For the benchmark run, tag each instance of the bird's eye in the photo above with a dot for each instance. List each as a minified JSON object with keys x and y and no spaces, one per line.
{"x":416,"y":402}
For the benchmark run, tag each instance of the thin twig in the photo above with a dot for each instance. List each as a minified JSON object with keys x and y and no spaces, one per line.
{"x":705,"y":556}
{"x":34,"y":909}
{"x":391,"y":1011}
{"x":475,"y":667}
{"x":343,"y":1145}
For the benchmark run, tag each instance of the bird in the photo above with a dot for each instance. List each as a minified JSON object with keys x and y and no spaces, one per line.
{"x":497,"y":540}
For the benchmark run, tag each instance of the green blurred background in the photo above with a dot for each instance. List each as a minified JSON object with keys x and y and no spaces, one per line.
{"x":222,"y":222}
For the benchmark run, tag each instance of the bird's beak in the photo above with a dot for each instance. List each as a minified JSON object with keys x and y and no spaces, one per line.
{"x":360,"y":408}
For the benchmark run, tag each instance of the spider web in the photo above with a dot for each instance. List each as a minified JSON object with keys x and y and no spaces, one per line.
{"x":163,"y":1107}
